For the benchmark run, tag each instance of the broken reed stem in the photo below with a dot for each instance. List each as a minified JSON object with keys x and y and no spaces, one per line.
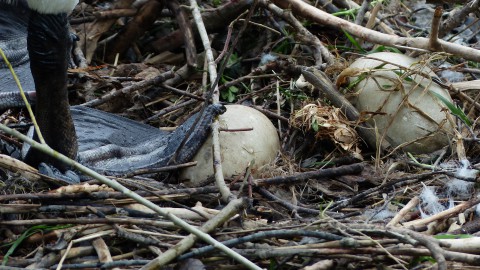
{"x":117,"y":186}
{"x":185,"y":244}
{"x":22,"y":94}
{"x":314,"y":14}
{"x":433,"y":39}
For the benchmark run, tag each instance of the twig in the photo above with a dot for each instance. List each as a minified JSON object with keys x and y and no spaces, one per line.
{"x":145,"y":17}
{"x":128,"y":234}
{"x":319,"y":16}
{"x":216,"y":18}
{"x":227,"y":195}
{"x":25,"y":100}
{"x":390,"y":255}
{"x":432,"y":244}
{"x":169,"y":109}
{"x":257,"y":73}
{"x":303,"y":34}
{"x":271,"y":114}
{"x":398,"y":217}
{"x":162,"y":169}
{"x":291,"y":207}
{"x":78,"y":55}
{"x":369,"y":251}
{"x":392,"y":183}
{"x":458,"y":17}
{"x":108,"y":220}
{"x":323,"y":83}
{"x":322,"y":173}
{"x":227,"y":212}
{"x":186,"y":29}
{"x":444,"y":214}
{"x":103,"y":252}
{"x":132,"y":264}
{"x":127,"y":90}
{"x":181,"y":92}
{"x":264,"y":235}
{"x":373,"y":16}
{"x":105,"y":15}
{"x":102,"y":195}
{"x":387,"y":29}
{"x":433,"y":40}
{"x":89,"y":39}
{"x":117,"y":186}
{"x":361,"y":12}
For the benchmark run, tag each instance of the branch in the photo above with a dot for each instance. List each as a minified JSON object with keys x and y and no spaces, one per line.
{"x":212,"y":71}
{"x":434,"y":41}
{"x":117,"y":186}
{"x":309,"y":12}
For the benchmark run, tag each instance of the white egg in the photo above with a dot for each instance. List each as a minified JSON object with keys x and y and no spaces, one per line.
{"x":407,"y":114}
{"x":239,"y":148}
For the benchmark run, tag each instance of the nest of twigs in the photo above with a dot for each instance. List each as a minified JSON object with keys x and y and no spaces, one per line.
{"x":332,"y":200}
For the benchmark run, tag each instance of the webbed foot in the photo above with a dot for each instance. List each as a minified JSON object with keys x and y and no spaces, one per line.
{"x":69,"y":177}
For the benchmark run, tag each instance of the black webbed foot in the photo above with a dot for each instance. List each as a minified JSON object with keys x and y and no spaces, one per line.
{"x":73,"y":40}
{"x":74,"y":37}
{"x":69,"y":177}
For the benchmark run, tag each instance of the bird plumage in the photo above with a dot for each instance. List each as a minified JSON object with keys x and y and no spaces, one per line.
{"x":46,"y":6}
{"x":108,"y":143}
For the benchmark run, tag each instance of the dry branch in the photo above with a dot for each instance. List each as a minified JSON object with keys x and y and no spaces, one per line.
{"x":307,"y":11}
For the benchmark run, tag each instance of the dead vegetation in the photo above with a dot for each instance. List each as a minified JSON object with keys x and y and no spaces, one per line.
{"x":336,"y":197}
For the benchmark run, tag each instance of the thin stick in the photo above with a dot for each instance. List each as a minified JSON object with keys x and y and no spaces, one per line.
{"x":307,"y":11}
{"x":398,"y":217}
{"x":444,"y":214}
{"x":22,"y":93}
{"x":227,"y":195}
{"x":433,"y":41}
{"x":117,"y":186}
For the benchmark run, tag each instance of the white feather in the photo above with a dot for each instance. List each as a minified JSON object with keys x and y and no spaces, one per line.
{"x":458,"y":187}
{"x":465,"y":172}
{"x":52,"y":6}
{"x":477,"y":209}
{"x":430,"y":201}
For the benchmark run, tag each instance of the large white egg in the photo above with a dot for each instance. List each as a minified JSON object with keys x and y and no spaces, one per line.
{"x":407,"y":114}
{"x":239,"y":148}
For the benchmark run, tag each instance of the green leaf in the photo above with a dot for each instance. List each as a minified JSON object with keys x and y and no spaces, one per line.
{"x":354,"y":83}
{"x":452,"y":236}
{"x":347,"y":12}
{"x":224,"y":95}
{"x":400,"y":74}
{"x":284,"y":47}
{"x":233,"y":89}
{"x":455,"y":110}
{"x":424,"y":259}
{"x":383,"y":48}
{"x":315,"y":125}
{"x":232,"y":60}
{"x":231,"y":97}
{"x":354,"y":41}
{"x":27,"y":234}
